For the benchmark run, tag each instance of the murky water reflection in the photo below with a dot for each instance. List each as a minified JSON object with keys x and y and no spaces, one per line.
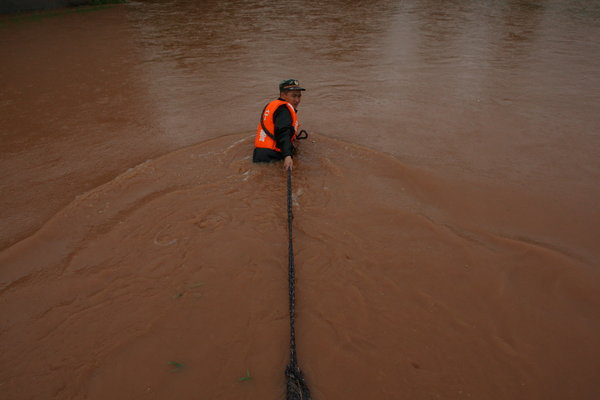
{"x":446,"y":206}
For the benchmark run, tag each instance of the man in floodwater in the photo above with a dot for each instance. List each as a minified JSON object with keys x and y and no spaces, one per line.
{"x":278,"y":126}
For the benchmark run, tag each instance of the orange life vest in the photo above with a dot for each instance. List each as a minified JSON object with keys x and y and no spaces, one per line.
{"x":265,"y":133}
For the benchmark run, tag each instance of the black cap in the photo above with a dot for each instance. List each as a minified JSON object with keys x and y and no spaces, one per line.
{"x":289,"y":84}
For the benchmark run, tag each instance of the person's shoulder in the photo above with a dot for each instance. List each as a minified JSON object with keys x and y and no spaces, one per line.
{"x":283,"y":108}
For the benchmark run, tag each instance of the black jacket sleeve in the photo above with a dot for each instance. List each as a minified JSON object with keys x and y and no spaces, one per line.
{"x":283,"y":130}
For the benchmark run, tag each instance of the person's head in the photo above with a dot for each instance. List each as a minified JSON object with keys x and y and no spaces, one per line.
{"x":290,"y":91}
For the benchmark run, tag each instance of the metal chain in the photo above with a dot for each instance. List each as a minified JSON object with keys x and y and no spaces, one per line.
{"x":291,"y":273}
{"x":297,"y":389}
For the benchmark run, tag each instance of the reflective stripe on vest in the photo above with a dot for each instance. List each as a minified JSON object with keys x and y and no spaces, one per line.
{"x":265,"y":133}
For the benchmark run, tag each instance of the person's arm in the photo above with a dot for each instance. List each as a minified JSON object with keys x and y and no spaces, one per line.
{"x":284,"y":130}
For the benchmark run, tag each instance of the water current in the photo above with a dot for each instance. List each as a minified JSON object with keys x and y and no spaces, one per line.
{"x":446,"y":203}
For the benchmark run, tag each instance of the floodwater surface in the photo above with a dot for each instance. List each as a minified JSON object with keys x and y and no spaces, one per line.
{"x":446,"y":202}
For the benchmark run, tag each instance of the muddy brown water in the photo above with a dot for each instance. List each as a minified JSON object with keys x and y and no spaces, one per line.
{"x":446,"y":204}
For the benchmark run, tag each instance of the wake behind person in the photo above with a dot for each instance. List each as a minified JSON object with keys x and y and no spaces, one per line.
{"x":278,"y":126}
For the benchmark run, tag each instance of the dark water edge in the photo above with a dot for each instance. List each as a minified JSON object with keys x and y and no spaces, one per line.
{"x":23,"y":6}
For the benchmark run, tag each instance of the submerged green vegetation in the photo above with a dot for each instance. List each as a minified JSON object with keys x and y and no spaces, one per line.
{"x":177,"y":366}
{"x":247,"y":377}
